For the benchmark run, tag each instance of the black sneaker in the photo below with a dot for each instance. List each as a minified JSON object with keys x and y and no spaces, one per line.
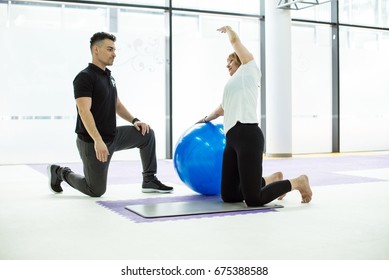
{"x":155,"y":186}
{"x":54,"y":180}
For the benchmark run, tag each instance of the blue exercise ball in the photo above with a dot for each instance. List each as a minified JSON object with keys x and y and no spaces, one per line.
{"x":198,"y":157}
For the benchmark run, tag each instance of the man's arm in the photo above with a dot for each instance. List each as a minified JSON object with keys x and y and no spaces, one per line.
{"x":84,"y":105}
{"x":122,"y":112}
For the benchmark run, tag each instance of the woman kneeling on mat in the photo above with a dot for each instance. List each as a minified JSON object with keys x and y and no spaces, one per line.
{"x":243,"y":155}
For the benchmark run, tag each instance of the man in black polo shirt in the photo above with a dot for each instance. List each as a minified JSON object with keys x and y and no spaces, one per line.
{"x":98,"y":137}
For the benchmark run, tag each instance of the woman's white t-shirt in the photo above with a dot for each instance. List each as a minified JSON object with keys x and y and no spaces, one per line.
{"x":240,"y":97}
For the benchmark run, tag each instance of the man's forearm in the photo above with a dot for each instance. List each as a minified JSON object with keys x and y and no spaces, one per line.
{"x":90,"y":125}
{"x":122,"y":112}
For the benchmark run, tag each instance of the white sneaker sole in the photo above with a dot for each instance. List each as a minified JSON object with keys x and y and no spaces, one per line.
{"x":155,"y":191}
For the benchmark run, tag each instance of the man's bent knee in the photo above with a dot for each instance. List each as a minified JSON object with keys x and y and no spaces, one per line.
{"x":97,"y":194}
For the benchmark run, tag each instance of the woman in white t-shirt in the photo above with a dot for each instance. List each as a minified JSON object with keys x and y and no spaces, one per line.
{"x":243,"y":155}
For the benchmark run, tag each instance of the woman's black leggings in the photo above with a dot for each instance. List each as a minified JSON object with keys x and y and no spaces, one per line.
{"x":242,"y":168}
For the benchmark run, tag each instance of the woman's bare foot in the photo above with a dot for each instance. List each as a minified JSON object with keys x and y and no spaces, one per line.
{"x":301,"y":184}
{"x":278,"y":176}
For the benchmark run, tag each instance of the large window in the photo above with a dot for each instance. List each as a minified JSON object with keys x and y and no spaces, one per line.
{"x":139,"y":71}
{"x":320,"y":12}
{"x":37,"y":106}
{"x":134,"y":2}
{"x":233,"y":6}
{"x":311,"y":88}
{"x":364,"y":117}
{"x":364,"y":98}
{"x":199,"y":64}
{"x":45,"y":46}
{"x":364,"y":12}
{"x":46,"y":43}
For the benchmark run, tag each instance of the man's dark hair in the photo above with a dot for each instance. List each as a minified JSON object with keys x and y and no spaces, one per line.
{"x":100,"y":36}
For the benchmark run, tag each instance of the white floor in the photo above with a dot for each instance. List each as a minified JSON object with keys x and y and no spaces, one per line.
{"x":342,"y":222}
